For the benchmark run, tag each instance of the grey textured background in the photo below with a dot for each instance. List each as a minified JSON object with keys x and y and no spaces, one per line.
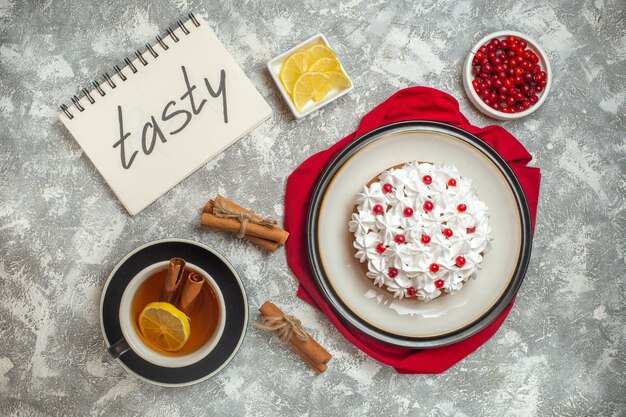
{"x":561,"y":352}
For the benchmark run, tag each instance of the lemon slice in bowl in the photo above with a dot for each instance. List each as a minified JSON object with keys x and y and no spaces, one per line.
{"x":165,"y":326}
{"x":320,"y":51}
{"x":293,"y":67}
{"x":325,"y":64}
{"x":307,"y":86}
{"x":337,"y":79}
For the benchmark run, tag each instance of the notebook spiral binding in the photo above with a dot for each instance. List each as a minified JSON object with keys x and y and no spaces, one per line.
{"x":149,"y":49}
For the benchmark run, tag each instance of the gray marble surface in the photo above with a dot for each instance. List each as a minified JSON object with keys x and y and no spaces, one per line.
{"x":561,"y":351}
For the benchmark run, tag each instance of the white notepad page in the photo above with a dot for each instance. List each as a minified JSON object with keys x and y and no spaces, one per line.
{"x":177,"y":112}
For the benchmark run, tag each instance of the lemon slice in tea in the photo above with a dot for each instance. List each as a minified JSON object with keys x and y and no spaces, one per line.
{"x":293,"y":67}
{"x":165,"y":326}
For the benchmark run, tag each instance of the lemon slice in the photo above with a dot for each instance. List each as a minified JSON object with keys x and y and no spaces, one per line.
{"x":325,"y":64}
{"x":295,"y":64}
{"x":337,"y":79}
{"x":320,"y":51}
{"x":307,"y":85}
{"x":165,"y":326}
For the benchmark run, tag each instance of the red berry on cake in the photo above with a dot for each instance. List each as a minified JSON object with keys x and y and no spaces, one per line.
{"x":470,"y":230}
{"x":452,"y":182}
{"x":425,"y":239}
{"x":392,"y":272}
{"x":400,"y":239}
{"x":461,"y":207}
{"x":427,"y":179}
{"x":459,"y":261}
{"x":387,"y":188}
{"x":429,"y":206}
{"x":378,"y":209}
{"x":439,"y":283}
{"x":408,"y":212}
{"x":380,"y":248}
{"x":434,"y":267}
{"x":411,"y":291}
{"x":447,"y":232}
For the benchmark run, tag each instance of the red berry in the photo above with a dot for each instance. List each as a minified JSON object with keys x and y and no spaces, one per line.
{"x":378,"y":209}
{"x":447,"y":232}
{"x":470,"y":229}
{"x":387,"y":188}
{"x":459,"y":261}
{"x":461,"y":207}
{"x":433,"y":267}
{"x":400,"y":239}
{"x":380,"y":248}
{"x":425,"y":239}
{"x":408,"y":212}
{"x":411,"y":291}
{"x":427,"y":178}
{"x":428,"y":206}
{"x":452,"y":182}
{"x":392,"y":272}
{"x":439,"y":283}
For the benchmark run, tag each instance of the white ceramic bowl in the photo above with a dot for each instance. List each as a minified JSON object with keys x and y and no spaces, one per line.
{"x":276,"y":64}
{"x":468,"y":76}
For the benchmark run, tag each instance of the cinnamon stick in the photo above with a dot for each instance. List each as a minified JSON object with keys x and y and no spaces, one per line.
{"x":313,"y":354}
{"x":273,"y":233}
{"x":264,"y":243}
{"x":173,"y":280}
{"x":233,"y":225}
{"x":190,"y":292}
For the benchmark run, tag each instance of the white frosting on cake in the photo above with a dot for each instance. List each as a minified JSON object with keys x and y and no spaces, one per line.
{"x":384,"y":213}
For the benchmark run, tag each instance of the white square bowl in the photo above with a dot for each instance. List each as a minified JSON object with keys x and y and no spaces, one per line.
{"x":276,"y":64}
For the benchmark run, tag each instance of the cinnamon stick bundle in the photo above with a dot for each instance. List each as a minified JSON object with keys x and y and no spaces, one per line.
{"x":301,"y":342}
{"x":223,"y":214}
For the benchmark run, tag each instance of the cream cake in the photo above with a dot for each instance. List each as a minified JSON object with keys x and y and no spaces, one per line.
{"x":420,"y":230}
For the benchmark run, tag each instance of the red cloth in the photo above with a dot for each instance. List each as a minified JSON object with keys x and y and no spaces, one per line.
{"x":414,"y":103}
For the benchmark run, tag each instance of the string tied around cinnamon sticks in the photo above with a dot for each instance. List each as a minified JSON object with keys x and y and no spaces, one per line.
{"x":222,"y":214}
{"x":221,"y":209}
{"x":289,"y":329}
{"x":285,"y":327}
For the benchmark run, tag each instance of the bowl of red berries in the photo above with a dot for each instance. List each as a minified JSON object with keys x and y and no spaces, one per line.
{"x":507,"y":75}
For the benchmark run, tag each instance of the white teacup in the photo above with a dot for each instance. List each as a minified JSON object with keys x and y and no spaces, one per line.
{"x":132,"y":341}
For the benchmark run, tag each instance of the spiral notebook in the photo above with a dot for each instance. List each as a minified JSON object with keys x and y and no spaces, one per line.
{"x":165,"y":113}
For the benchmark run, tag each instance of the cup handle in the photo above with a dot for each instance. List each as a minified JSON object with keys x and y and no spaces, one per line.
{"x":118,"y":348}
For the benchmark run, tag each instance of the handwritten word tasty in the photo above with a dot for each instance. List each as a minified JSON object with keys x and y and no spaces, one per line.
{"x":173,"y":119}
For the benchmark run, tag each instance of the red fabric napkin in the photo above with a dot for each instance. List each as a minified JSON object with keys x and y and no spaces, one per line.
{"x":414,"y":103}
